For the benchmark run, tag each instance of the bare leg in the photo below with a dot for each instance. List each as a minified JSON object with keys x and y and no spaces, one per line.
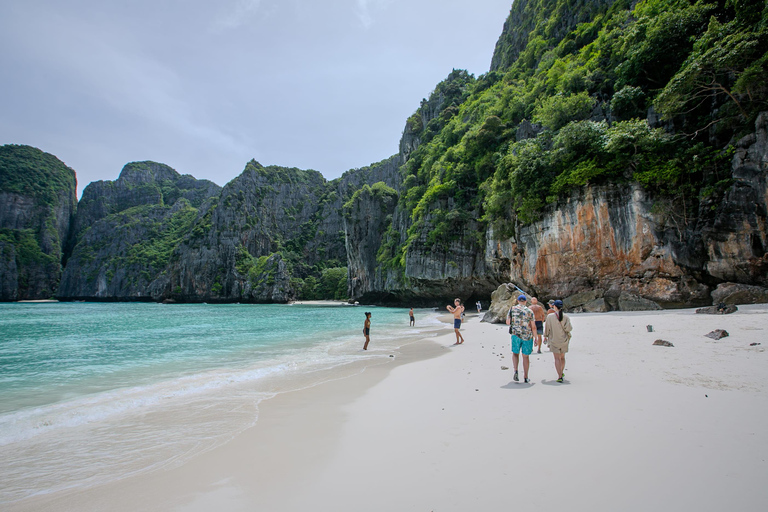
{"x":367,"y":340}
{"x":515,"y":360}
{"x":559,"y":364}
{"x":526,"y":365}
{"x":459,"y":336}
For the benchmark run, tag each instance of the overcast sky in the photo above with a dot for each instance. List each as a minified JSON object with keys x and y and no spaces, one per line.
{"x":205,"y":86}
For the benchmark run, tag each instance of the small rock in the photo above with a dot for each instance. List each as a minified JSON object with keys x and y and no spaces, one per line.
{"x":754,"y":344}
{"x":477,"y":390}
{"x":391,"y":355}
{"x":714,"y":310}
{"x":717,"y":334}
{"x":663,"y":343}
{"x":505,"y":368}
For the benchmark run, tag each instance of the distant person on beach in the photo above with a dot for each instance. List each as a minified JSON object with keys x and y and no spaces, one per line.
{"x":458,"y":311}
{"x":521,"y":327}
{"x":413,"y":319}
{"x":479,"y":306}
{"x":538,"y":318}
{"x":367,"y":330}
{"x":558,"y":328}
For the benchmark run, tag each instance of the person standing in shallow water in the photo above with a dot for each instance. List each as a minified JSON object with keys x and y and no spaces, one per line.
{"x":413,"y":319}
{"x":558,"y":328}
{"x":458,"y":310}
{"x":367,"y":330}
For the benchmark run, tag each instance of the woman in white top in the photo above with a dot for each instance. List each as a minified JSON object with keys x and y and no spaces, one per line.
{"x":557,"y":329}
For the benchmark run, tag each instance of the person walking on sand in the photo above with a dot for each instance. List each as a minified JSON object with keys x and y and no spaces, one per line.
{"x":479,"y":306}
{"x":538,"y":318}
{"x":557,"y":329}
{"x":367,"y":329}
{"x":413,"y":319}
{"x":458,"y":310}
{"x":521,"y":327}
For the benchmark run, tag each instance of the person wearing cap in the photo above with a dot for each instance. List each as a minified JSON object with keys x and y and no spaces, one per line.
{"x":551,"y":309}
{"x":521,"y":327}
{"x":557,"y":329}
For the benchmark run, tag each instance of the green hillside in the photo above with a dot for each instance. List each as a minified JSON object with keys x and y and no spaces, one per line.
{"x":656,"y":95}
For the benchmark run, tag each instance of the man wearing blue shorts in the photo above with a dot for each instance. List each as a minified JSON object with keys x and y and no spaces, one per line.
{"x":521,"y":326}
{"x":457,"y":310}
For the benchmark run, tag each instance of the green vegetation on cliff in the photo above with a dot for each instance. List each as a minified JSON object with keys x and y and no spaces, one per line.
{"x":30,"y":172}
{"x":589,"y":93}
{"x":40,"y":191}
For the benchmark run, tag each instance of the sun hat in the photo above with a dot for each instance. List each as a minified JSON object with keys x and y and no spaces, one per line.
{"x":522,"y":298}
{"x":559,"y":304}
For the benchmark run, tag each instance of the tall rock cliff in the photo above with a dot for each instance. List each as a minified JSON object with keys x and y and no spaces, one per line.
{"x":37,"y":207}
{"x":546,"y":172}
{"x":126,"y":230}
{"x":542,"y":22}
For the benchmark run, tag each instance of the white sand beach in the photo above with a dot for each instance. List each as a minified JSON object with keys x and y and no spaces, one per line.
{"x":634,"y":427}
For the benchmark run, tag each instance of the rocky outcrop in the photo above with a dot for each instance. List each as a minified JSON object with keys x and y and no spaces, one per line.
{"x":37,"y":207}
{"x":139,"y":184}
{"x":735,"y":293}
{"x":530,"y":18}
{"x":126,"y":231}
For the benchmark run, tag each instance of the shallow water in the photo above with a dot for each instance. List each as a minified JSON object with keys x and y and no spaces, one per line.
{"x":92,"y":392}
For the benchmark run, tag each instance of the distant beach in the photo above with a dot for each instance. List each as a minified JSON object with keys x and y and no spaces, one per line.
{"x":634,"y":427}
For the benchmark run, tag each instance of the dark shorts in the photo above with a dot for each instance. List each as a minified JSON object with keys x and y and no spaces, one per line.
{"x":539,"y":327}
{"x":367,"y":331}
{"x":456,"y":323}
{"x":412,"y":319}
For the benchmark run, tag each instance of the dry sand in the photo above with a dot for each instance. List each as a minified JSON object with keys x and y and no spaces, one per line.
{"x":444,"y":428}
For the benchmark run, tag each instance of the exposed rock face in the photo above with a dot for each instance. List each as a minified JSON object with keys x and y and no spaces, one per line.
{"x":239,"y":255}
{"x":126,"y":230}
{"x":521,"y":25}
{"x":37,"y":207}
{"x":366,"y":217}
{"x":139,"y":184}
{"x":734,"y":293}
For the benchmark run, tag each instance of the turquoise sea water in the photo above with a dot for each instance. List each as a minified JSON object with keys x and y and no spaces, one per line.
{"x":91,"y":392}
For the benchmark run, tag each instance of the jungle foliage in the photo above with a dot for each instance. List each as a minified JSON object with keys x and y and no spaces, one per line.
{"x":654,"y":95}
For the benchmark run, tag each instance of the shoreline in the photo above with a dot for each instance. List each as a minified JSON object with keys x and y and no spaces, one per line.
{"x":283,"y":414}
{"x":634,"y":427}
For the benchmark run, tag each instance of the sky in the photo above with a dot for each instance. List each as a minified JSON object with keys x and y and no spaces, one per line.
{"x":205,"y":86}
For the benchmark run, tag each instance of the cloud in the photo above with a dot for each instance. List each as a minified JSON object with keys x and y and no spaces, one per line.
{"x":236,"y":15}
{"x":366,"y":8}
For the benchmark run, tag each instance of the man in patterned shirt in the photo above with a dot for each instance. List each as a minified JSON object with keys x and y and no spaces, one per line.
{"x":521,"y":326}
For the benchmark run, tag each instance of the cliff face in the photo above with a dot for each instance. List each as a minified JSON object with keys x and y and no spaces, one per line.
{"x":616,"y":242}
{"x":548,"y":20}
{"x":37,"y":207}
{"x":605,"y":247}
{"x":126,"y":230}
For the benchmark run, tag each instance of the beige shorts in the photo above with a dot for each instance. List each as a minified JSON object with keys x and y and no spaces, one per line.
{"x":562,"y":349}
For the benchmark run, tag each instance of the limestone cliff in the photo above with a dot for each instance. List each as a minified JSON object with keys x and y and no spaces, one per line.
{"x":37,"y":207}
{"x":126,"y":230}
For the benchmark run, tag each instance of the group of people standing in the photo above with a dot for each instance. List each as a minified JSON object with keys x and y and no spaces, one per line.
{"x":529,"y":326}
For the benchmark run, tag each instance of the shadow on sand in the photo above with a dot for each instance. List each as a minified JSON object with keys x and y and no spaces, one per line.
{"x":518,"y":385}
{"x":554,"y":382}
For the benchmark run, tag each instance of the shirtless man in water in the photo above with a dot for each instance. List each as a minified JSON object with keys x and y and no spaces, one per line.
{"x":457,"y":309}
